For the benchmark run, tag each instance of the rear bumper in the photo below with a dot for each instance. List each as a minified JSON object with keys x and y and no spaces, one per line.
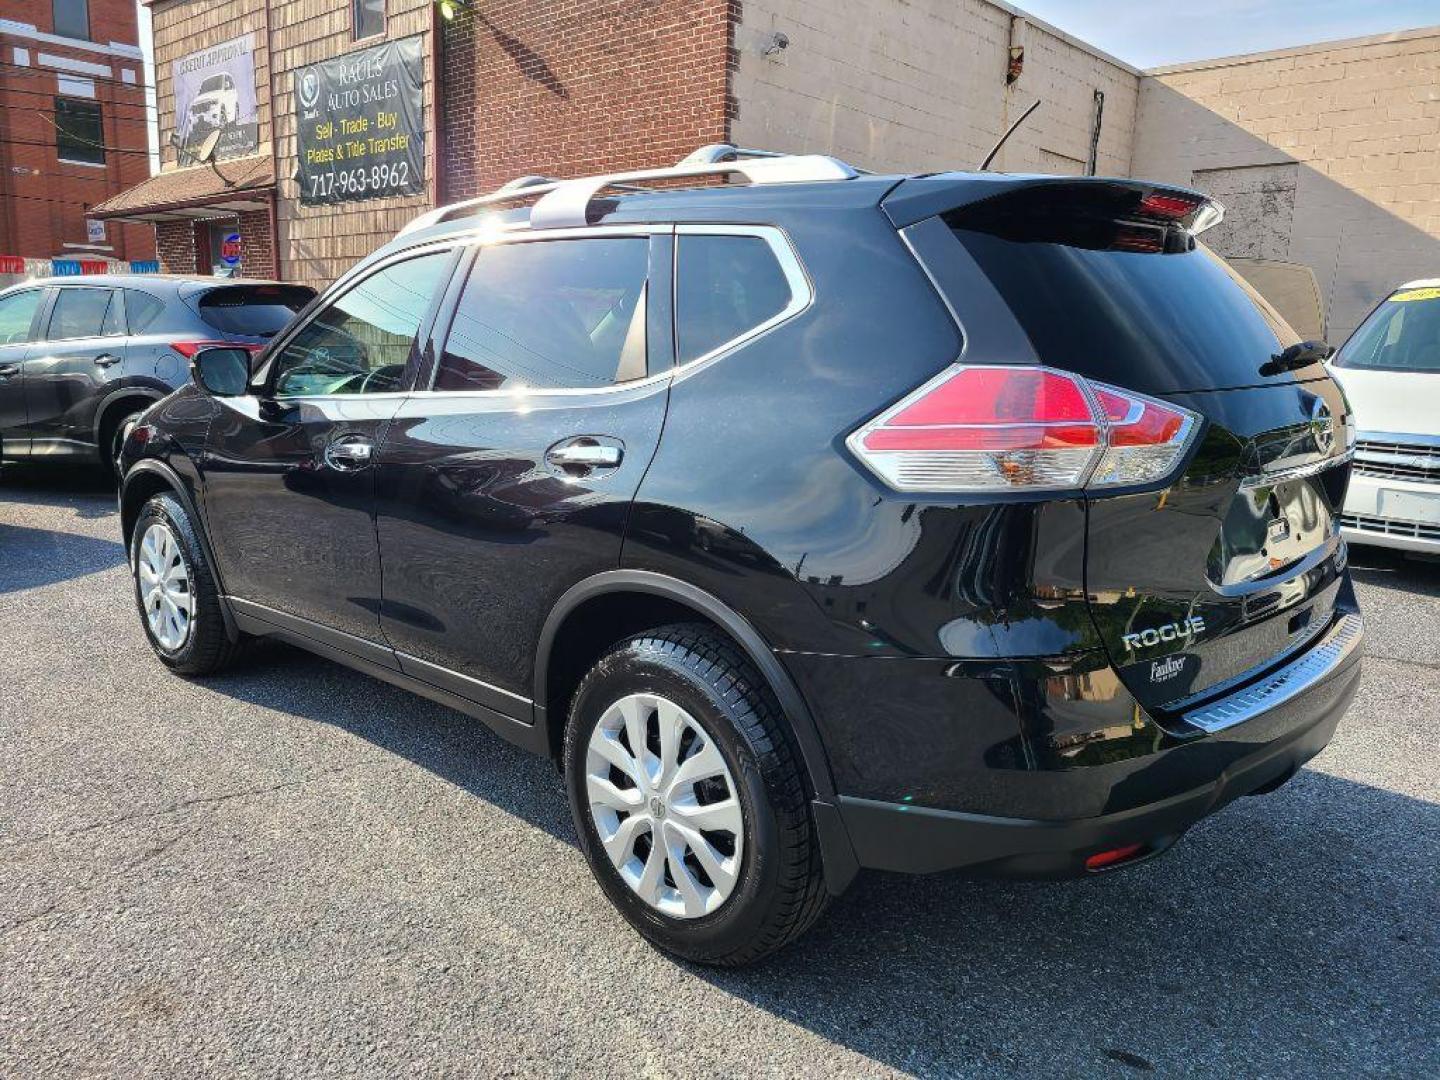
{"x":1150,"y":799}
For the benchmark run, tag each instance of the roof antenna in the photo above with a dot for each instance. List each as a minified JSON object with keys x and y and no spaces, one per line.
{"x":1008,"y":132}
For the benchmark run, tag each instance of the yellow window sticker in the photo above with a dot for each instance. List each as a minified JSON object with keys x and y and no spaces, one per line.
{"x":1430,"y":293}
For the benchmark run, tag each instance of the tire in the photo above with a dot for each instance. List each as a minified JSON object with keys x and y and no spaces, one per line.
{"x":112,"y":437}
{"x":203,"y":648}
{"x":777,"y":890}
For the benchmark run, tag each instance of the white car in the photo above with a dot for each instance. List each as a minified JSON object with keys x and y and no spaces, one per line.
{"x":1390,"y":370}
{"x":218,"y":102}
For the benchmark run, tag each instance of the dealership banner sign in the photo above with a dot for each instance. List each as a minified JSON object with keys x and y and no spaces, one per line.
{"x":360,"y":125}
{"x":215,"y":92}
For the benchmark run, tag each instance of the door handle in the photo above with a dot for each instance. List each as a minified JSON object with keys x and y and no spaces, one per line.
{"x":106,"y":359}
{"x":585,"y":455}
{"x":349,"y":453}
{"x":9,"y":371}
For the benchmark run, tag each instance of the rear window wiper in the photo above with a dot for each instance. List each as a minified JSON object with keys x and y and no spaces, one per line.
{"x":1301,"y":354}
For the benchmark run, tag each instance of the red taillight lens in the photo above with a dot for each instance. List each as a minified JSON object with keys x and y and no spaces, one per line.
{"x":1021,"y":428}
{"x":1168,"y":205}
{"x":188,"y":349}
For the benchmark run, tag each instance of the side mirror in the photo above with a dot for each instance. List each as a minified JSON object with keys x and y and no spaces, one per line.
{"x":223,"y":372}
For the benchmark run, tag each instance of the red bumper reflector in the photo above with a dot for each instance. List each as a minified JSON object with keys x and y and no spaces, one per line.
{"x":1101,"y":860}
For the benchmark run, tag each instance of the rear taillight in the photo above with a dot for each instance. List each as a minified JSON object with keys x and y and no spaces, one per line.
{"x":188,"y":349}
{"x":1018,"y":428}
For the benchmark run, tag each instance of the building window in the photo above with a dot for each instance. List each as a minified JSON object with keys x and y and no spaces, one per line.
{"x":368,"y":18}
{"x":72,"y":18}
{"x":79,"y":132}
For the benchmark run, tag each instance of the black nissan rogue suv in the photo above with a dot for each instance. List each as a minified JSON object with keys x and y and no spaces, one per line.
{"x":822,"y":522}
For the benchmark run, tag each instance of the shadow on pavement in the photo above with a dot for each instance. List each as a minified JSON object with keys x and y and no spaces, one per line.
{"x":1395,"y":570}
{"x":85,"y":489}
{"x":31,"y":558}
{"x":1298,"y":927}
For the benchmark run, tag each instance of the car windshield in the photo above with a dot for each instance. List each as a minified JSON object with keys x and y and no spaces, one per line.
{"x":215,"y":82}
{"x":1402,"y":334}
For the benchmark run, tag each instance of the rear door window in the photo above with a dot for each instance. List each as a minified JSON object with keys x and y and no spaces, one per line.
{"x":550,"y":314}
{"x":80,"y":313}
{"x":253,"y":310}
{"x":726,"y":287}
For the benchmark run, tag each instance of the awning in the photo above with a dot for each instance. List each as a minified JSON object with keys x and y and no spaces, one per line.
{"x":220,"y":189}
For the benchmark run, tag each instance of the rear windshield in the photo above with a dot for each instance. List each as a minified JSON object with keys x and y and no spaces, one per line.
{"x":1402,"y":334}
{"x":1158,"y":320}
{"x":253,"y":310}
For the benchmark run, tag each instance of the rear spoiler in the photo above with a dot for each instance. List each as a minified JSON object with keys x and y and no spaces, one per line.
{"x":921,"y":197}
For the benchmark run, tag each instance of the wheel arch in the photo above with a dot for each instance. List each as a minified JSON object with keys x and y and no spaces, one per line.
{"x":113,"y":404}
{"x":143,"y":481}
{"x":656,"y":595}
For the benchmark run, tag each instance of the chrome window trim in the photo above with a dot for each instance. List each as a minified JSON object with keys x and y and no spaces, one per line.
{"x":802,"y":295}
{"x":1292,"y":680}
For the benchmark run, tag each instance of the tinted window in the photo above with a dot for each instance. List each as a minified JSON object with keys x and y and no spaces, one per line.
{"x":563,"y":313}
{"x":725,"y":286}
{"x":79,"y":132}
{"x":1403,"y":334}
{"x":141,"y":309}
{"x":257,"y":310}
{"x":17,"y":312}
{"x":72,"y":18}
{"x":361,"y":343}
{"x":1148,"y":320}
{"x":79,"y":313}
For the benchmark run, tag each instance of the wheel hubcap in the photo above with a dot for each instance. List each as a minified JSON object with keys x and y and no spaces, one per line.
{"x":164,"y":581}
{"x":665,"y":806}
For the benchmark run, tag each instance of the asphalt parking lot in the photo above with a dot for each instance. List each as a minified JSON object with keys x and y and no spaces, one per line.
{"x":295,"y":870}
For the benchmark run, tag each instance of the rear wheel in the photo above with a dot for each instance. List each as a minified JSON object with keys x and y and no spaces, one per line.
{"x":689,"y":800}
{"x":176,"y":594}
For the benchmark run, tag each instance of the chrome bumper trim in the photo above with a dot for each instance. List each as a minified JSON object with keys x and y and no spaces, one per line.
{"x":1289,"y":682}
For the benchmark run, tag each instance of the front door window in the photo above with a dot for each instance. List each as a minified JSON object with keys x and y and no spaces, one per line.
{"x":361,"y":343}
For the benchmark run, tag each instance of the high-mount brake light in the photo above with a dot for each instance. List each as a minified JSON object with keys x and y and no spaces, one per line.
{"x":997,"y":428}
{"x":1168,"y":205}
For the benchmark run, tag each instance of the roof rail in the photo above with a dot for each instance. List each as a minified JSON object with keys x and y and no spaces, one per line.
{"x":566,"y":203}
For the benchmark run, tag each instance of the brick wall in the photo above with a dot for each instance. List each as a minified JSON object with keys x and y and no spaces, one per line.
{"x":1328,"y":155}
{"x":920,"y":84}
{"x":175,"y":247}
{"x":569,"y":89}
{"x":256,"y":244}
{"x":43,"y":200}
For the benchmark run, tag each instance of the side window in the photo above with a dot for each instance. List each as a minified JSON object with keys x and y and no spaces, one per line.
{"x":725,"y":286}
{"x":79,"y":313}
{"x":361,"y":343}
{"x":141,"y":309}
{"x":554,"y":313}
{"x":17,"y":314}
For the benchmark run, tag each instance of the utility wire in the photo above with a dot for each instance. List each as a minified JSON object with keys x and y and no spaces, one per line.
{"x":39,"y":73}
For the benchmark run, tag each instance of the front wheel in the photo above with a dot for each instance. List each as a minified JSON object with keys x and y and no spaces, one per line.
{"x":690,"y":803}
{"x":175,"y":592}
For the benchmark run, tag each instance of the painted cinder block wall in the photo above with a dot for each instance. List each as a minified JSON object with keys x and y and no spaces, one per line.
{"x":1328,"y":155}
{"x":920,"y":85}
